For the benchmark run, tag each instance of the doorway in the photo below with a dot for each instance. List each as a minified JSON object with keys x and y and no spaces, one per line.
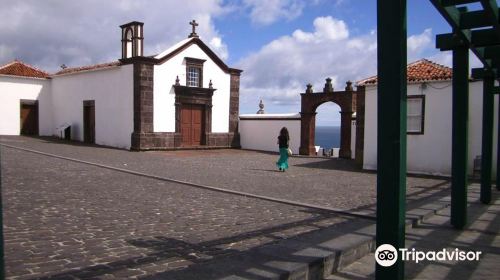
{"x":89,"y":121}
{"x":29,"y":117}
{"x":192,"y":124}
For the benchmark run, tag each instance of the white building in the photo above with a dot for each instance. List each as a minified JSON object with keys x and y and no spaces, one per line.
{"x":429,"y":121}
{"x":183,"y":97}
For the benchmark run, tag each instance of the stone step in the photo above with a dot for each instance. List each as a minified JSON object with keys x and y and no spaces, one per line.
{"x":314,"y":255}
{"x":481,"y":234}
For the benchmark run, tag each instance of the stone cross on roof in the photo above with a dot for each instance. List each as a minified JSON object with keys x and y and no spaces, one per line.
{"x":193,"y":23}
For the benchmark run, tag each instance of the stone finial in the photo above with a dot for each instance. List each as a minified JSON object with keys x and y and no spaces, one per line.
{"x":63,"y":66}
{"x":348,"y":86}
{"x":177,"y":81}
{"x":210,"y":85}
{"x":328,"y":85}
{"x":309,"y":88}
{"x":261,"y":107}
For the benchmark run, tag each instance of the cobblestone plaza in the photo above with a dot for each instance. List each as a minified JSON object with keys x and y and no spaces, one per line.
{"x":74,"y":211}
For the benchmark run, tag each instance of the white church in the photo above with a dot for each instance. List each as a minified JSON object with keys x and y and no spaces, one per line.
{"x":184,"y":97}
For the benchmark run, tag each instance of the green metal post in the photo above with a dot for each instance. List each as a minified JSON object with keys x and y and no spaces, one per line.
{"x":498,"y":146}
{"x":459,"y":137}
{"x":487,"y":140}
{"x":391,"y":131}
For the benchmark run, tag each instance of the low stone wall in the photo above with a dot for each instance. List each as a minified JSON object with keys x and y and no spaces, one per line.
{"x":173,"y":140}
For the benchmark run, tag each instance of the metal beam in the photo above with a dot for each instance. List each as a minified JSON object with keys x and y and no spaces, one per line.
{"x":484,"y":37}
{"x":487,"y":139}
{"x":481,"y":73}
{"x":456,"y":2}
{"x":391,"y":131}
{"x":460,"y":118}
{"x":474,"y":19}
{"x":474,"y":39}
{"x":491,"y":10}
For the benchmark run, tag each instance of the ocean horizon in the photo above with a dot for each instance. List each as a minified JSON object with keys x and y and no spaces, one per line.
{"x":327,"y":136}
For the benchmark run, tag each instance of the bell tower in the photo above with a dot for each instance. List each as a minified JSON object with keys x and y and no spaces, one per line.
{"x":132,"y":39}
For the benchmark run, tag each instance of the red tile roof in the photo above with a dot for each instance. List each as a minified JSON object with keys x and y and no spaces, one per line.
{"x":88,"y":68}
{"x":419,"y":71}
{"x":18,"y":68}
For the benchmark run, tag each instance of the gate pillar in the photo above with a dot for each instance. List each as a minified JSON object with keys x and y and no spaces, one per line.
{"x":307,"y":123}
{"x":345,"y":134}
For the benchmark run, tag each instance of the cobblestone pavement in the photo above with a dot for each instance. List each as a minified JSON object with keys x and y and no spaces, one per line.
{"x":68,"y":220}
{"x":332,"y":183}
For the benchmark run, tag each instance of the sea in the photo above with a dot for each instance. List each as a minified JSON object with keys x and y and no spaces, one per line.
{"x":327,"y":136}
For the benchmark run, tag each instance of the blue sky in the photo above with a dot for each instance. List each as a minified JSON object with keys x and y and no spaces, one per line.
{"x":280,"y":44}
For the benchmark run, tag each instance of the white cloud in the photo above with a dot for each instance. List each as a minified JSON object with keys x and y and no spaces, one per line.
{"x":443,"y":58}
{"x":48,"y":35}
{"x":265,"y":12}
{"x":416,"y":44}
{"x":280,"y":70}
{"x":218,"y":47}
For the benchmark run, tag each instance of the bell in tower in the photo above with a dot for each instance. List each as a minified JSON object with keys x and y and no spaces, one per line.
{"x":132,"y":39}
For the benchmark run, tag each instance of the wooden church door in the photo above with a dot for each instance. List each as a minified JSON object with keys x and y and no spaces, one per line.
{"x":89,"y":122}
{"x":29,"y":118}
{"x":192,"y":125}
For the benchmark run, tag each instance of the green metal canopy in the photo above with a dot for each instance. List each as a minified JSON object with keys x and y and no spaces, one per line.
{"x":477,"y":30}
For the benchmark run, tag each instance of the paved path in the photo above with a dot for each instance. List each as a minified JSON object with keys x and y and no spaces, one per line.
{"x":68,"y":220}
{"x":435,"y":234}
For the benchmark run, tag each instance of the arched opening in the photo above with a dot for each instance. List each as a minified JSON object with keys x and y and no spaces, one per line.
{"x":327,"y":133}
{"x":128,"y":44}
{"x":348,"y":102}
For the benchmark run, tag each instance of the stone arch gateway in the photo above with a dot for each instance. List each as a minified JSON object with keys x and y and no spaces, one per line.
{"x":349,"y":101}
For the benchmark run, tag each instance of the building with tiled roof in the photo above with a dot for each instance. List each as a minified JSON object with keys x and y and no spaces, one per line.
{"x":21,"y":69}
{"x":429,"y":99}
{"x":87,"y":68}
{"x":422,"y":70}
{"x":184,"y":97}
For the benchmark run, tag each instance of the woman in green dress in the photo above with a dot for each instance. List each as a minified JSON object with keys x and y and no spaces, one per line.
{"x":283,"y":141}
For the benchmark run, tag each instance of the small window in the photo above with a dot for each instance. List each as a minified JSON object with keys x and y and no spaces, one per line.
{"x":193,"y":78}
{"x":415,"y":114}
{"x":194,"y":72}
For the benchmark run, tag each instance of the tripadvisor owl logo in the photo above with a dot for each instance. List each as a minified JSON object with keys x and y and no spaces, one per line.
{"x":386,"y":255}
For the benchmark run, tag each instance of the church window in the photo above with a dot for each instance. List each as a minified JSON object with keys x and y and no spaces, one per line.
{"x":193,"y":79}
{"x":194,"y":72}
{"x":415,"y":114}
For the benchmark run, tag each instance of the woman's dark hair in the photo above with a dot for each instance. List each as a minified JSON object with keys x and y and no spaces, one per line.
{"x":284,"y":132}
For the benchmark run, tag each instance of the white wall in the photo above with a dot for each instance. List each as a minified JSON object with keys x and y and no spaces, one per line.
{"x":12,"y":90}
{"x":164,"y":95}
{"x":260,"y":132}
{"x":430,"y":153}
{"x":112,"y":90}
